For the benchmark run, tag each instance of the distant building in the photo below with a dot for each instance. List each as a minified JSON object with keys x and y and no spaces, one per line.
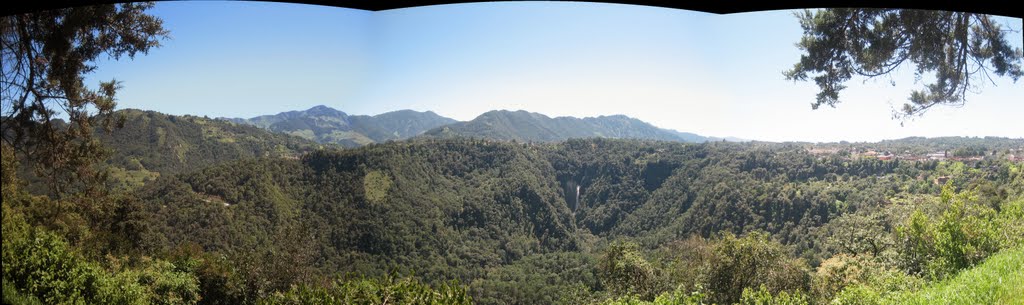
{"x":911,"y":157}
{"x":885,"y":156}
{"x":941,"y":180}
{"x":937,"y":156}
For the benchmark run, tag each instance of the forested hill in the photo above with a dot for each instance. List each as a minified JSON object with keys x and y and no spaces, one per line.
{"x":444,"y":210}
{"x":327,"y":125}
{"x":526,"y":126}
{"x":528,"y":223}
{"x":152,"y":143}
{"x":250,"y":216}
{"x":240,"y":215}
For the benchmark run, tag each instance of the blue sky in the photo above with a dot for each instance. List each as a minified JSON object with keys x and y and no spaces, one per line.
{"x":718,"y":75}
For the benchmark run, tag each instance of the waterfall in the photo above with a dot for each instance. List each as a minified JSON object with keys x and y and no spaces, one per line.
{"x":577,"y":204}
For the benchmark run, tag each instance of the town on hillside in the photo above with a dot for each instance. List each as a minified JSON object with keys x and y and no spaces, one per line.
{"x":962,"y":154}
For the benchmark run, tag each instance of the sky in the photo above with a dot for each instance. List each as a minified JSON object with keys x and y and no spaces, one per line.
{"x":710,"y":74}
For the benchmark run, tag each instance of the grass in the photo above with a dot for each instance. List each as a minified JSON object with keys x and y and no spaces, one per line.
{"x":999,"y":280}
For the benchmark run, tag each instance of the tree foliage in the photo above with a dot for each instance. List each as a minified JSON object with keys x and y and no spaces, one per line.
{"x":959,"y":50}
{"x":749,"y":262}
{"x":46,"y":56}
{"x":41,"y":265}
{"x":624,"y":271}
{"x":761,"y":296}
{"x":964,"y":235}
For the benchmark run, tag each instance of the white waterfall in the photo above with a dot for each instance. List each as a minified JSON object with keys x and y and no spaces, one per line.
{"x":577,"y":205}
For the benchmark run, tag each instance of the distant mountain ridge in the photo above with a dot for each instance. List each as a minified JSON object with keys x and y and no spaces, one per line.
{"x":535,"y":127}
{"x":328,"y":125}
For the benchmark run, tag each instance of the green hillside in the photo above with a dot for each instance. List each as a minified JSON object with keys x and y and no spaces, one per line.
{"x":498,"y":216}
{"x":101,"y":205}
{"x":152,"y":144}
{"x":239,"y":215}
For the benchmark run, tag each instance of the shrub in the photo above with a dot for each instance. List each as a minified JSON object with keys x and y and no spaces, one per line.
{"x":762,"y":296}
{"x":389,"y":289}
{"x":964,"y":235}
{"x":624,"y":271}
{"x":40,"y":264}
{"x":752,"y":261}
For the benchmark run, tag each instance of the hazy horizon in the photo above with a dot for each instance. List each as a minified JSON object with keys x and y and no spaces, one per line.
{"x":713,"y":75}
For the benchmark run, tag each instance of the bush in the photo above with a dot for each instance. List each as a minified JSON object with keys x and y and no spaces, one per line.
{"x":40,"y":264}
{"x":752,"y":261}
{"x":762,"y":296}
{"x":1011,"y":223}
{"x":879,"y":286}
{"x":389,"y":289}
{"x":624,"y":271}
{"x":164,"y":283}
{"x":679,"y":296}
{"x":963,"y":236}
{"x":838,"y":272}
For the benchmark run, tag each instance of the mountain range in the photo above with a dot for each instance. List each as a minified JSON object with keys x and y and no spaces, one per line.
{"x":328,"y":125}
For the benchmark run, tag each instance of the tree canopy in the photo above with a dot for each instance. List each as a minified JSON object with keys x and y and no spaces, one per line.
{"x":959,"y":50}
{"x":46,"y":55}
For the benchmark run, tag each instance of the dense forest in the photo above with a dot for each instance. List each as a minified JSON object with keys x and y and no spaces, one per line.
{"x":155,"y":143}
{"x":233,"y":214}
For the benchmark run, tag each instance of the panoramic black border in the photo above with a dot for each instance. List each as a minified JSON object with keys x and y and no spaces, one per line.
{"x":719,"y":7}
